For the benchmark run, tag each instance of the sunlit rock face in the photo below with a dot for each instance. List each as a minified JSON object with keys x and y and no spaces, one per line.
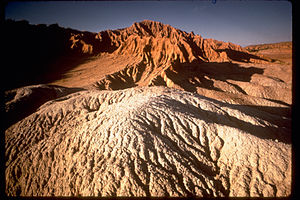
{"x":148,"y":110}
{"x":147,"y":141}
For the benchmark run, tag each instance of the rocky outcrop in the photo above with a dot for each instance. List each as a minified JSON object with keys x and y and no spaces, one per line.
{"x":156,"y":47}
{"x":168,"y":44}
{"x":48,"y":52}
{"x":149,"y":141}
{"x":164,"y":55}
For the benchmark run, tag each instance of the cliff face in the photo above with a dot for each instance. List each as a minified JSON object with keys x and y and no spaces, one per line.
{"x":158,"y":50}
{"x":165,"y":43}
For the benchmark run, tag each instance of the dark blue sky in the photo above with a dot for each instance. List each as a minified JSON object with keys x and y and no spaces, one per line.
{"x":240,"y":22}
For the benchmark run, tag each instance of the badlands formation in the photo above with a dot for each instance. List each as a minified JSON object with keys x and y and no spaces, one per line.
{"x":149,"y":110}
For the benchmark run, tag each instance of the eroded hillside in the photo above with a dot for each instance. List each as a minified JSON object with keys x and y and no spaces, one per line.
{"x":151,"y":53}
{"x":281,"y":51}
{"x":147,"y":110}
{"x":149,"y":141}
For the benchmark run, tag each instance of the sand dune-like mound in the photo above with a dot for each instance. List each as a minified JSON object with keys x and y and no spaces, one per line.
{"x":149,"y":141}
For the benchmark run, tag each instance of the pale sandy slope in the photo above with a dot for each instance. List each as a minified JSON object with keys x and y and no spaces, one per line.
{"x":149,"y":141}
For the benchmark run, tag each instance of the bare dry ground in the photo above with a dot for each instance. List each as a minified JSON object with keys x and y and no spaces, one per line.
{"x":151,"y":110}
{"x":149,"y":141}
{"x":281,"y":51}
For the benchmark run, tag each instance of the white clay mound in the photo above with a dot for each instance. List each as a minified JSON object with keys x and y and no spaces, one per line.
{"x":147,"y":141}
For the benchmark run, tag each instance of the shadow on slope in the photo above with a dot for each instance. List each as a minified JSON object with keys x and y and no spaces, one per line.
{"x":189,"y":76}
{"x":36,"y":54}
{"x":21,"y":102}
{"x":270,"y":122}
{"x":282,"y":133}
{"x":240,"y":56}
